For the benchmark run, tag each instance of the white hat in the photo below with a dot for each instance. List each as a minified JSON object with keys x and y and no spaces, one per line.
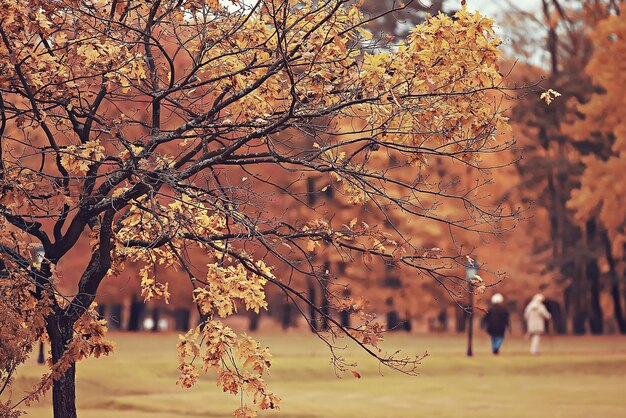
{"x":497,"y":298}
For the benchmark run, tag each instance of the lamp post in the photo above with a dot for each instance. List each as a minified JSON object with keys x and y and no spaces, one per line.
{"x":37,"y":254}
{"x":471,"y":269}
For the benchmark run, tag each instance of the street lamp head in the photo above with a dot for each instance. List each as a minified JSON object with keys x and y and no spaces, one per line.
{"x":37,"y":253}
{"x":471,"y":268}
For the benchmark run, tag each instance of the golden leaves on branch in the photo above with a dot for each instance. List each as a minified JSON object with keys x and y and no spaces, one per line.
{"x":549,"y":95}
{"x":240,"y":362}
{"x":78,"y":158}
{"x":228,"y":284}
{"x":426,"y":94}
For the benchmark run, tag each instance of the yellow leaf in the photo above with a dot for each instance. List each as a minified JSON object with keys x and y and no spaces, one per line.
{"x":549,"y":96}
{"x":365,"y":33}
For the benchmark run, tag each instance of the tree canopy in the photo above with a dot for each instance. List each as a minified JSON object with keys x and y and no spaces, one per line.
{"x":160,"y":129}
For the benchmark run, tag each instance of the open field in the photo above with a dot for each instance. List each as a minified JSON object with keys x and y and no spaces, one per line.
{"x":574,"y":377}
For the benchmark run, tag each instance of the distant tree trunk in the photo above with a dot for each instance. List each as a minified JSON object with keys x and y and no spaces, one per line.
{"x":558,"y":323}
{"x":579,"y":311}
{"x":115,"y":317}
{"x":286,"y":315}
{"x":442,"y":318}
{"x":592,"y":271}
{"x":406,"y":324}
{"x":393,"y":320}
{"x":617,"y":306}
{"x":136,"y":312}
{"x":156,"y":315}
{"x":60,"y":331}
{"x":344,"y":317}
{"x":615,"y":288}
{"x":253,"y":325}
{"x":578,"y":323}
{"x":181,"y":319}
{"x":101,"y":309}
{"x":461,"y":320}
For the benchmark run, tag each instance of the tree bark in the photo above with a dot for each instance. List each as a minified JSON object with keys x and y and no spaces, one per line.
{"x":460,"y":320}
{"x":253,"y":325}
{"x":136,"y":312}
{"x":285,"y":315}
{"x":615,"y":288}
{"x":60,"y":330}
{"x":344,"y":316}
{"x":156,"y":316}
{"x":181,"y":319}
{"x":596,"y":317}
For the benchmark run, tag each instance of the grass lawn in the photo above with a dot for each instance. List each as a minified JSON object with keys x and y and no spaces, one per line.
{"x":574,"y":377}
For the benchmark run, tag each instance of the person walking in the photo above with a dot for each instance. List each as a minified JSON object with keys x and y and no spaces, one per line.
{"x":536,"y":315}
{"x":496,"y":321}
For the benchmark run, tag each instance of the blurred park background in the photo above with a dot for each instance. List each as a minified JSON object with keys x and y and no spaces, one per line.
{"x":563,"y":172}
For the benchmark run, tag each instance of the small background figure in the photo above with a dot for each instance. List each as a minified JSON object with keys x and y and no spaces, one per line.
{"x":536,"y":315}
{"x":496,"y":322}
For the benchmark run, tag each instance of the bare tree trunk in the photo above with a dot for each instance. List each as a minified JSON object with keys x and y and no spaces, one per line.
{"x":615,"y":288}
{"x":344,"y":316}
{"x":254,"y":317}
{"x":156,"y":315}
{"x":286,"y":314}
{"x":579,"y":308}
{"x":136,"y":312}
{"x":181,"y":319}
{"x":596,"y":317}
{"x":60,"y":331}
{"x":461,"y":319}
{"x":592,"y":271}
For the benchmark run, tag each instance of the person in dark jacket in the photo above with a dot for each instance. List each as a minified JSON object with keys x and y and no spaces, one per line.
{"x":496,"y":322}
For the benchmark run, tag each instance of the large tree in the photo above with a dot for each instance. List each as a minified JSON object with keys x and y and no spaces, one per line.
{"x":162,"y":132}
{"x":555,"y":144}
{"x":599,"y":199}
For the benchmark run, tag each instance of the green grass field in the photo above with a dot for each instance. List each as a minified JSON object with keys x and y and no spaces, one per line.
{"x":574,"y":377}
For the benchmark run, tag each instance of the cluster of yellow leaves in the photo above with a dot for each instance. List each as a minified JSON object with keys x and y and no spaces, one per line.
{"x":52,"y":73}
{"x":433,"y":92}
{"x":148,"y":221}
{"x":227,"y":284}
{"x":239,"y":363}
{"x":427,"y":92}
{"x":150,"y":288}
{"x":369,"y":332}
{"x":549,"y":95}
{"x":22,"y":321}
{"x":89,"y":333}
{"x":78,"y":158}
{"x":88,"y":340}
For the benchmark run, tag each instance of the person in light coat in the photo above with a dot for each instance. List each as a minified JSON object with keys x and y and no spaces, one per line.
{"x":536,"y":315}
